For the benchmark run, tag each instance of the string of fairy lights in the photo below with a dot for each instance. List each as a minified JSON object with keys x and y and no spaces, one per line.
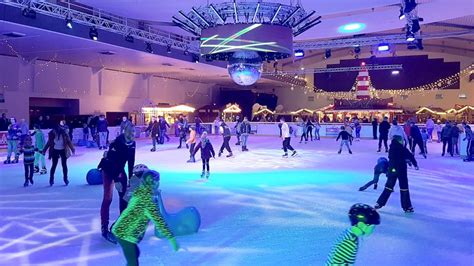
{"x":439,"y":84}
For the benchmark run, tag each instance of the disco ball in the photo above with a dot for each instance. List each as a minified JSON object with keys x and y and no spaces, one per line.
{"x":245,"y":67}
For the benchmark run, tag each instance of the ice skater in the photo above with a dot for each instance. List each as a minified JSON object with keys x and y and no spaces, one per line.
{"x":182,"y":128}
{"x":121,"y":151}
{"x":384,"y":128}
{"x":207,"y":151}
{"x":346,"y":138}
{"x":28,"y":151}
{"x":131,"y":226}
{"x":425,"y":137}
{"x":237,"y":129}
{"x":317,"y":127}
{"x":39,"y":146}
{"x":363,"y":220}
{"x":470,"y":142}
{"x":245,"y":131}
{"x":60,"y":146}
{"x":154,"y":129}
{"x":192,"y":144}
{"x":304,"y":132}
{"x":13,"y":137}
{"x":309,"y":130}
{"x":164,"y":126}
{"x":358,"y":128}
{"x":380,"y":168}
{"x":286,"y":132}
{"x":225,"y":130}
{"x":102,"y":128}
{"x":398,"y":157}
{"x":446,"y":138}
{"x":416,"y":139}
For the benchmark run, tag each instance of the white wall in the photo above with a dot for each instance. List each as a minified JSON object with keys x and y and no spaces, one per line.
{"x":293,"y":100}
{"x":98,"y":91}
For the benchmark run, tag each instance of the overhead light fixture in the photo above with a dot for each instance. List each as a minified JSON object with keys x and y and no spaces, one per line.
{"x":327,"y":53}
{"x":93,"y":34}
{"x":149,"y":48}
{"x":351,"y":27}
{"x":129,"y":38}
{"x":362,"y":64}
{"x":69,"y":22}
{"x":402,"y":14}
{"x":28,"y":12}
{"x":395,"y":72}
{"x":168,"y":48}
{"x":299,"y":53}
{"x":383,"y":47}
{"x":302,"y":68}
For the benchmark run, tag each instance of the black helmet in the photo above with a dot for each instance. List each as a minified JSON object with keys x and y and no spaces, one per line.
{"x":360,"y":212}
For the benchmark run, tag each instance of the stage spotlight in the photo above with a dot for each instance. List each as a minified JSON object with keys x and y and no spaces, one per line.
{"x":410,"y":36}
{"x":409,"y":6}
{"x":395,"y":72}
{"x":299,"y":53}
{"x":69,"y":23}
{"x":149,"y":48}
{"x":402,"y":14}
{"x":168,"y":48}
{"x":327,"y":53}
{"x":93,"y":34}
{"x":28,"y":12}
{"x":357,"y":49}
{"x":383,"y":47}
{"x":129,"y":38}
{"x":362,"y":64}
{"x":195,"y":58}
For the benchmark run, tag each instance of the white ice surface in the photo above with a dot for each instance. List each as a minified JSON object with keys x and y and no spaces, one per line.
{"x":257,"y":209}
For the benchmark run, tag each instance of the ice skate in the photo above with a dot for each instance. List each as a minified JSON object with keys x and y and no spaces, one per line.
{"x":36,"y":169}
{"x":378,"y":150}
{"x":43,"y":171}
{"x":409,"y":210}
{"x":203,"y":174}
{"x":187,"y":146}
{"x":191,"y":160}
{"x":238,"y":143}
{"x":375,"y":186}
{"x":229,"y":155}
{"x":153,"y":150}
{"x":66,"y":181}
{"x":25,"y":184}
{"x":107,"y":235}
{"x":377,"y":206}
{"x":293,"y":154}
{"x":285,"y":155}
{"x":339,"y":152}
{"x":16,"y":160}
{"x":350,"y":152}
{"x":31,"y":181}
{"x":361,"y":188}
{"x":220,"y":154}
{"x":207,"y":175}
{"x":7,"y":161}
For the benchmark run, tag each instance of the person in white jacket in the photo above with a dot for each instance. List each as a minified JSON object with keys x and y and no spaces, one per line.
{"x":397,"y":130}
{"x":286,"y":136}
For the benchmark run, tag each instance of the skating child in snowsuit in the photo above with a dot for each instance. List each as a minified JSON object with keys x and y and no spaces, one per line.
{"x":132,"y":223}
{"x":207,"y":151}
{"x":345,"y":139}
{"x":40,"y":142}
{"x":13,"y":137}
{"x":28,"y":151}
{"x":192,"y":143}
{"x":398,"y":156}
{"x":225,"y":130}
{"x":380,"y":168}
{"x":363,"y":219}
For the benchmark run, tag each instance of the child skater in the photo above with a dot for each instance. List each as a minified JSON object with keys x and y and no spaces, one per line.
{"x":192,"y":143}
{"x":132,"y":223}
{"x":28,"y":151}
{"x":345,"y":139}
{"x":380,"y":168}
{"x":40,"y":142}
{"x":363,"y":219}
{"x":207,"y":151}
{"x":398,"y":156}
{"x":425,"y":137}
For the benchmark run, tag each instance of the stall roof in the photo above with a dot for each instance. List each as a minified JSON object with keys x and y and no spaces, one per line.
{"x":172,"y":109}
{"x":233,"y":108}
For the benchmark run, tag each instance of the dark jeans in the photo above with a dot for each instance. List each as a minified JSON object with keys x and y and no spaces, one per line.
{"x":225,"y":145}
{"x":374,"y":181}
{"x":383,"y":138}
{"x":401,"y":175}
{"x":163,"y":135}
{"x":448,"y":142}
{"x":205,"y":164}
{"x":454,"y":145}
{"x":108,"y":183}
{"x":304,"y":136}
{"x":130,"y":251}
{"x":155,"y":140}
{"x":181,"y":140}
{"x":374,"y":132}
{"x":237,"y":135}
{"x":316,"y":132}
{"x":29,"y":169}
{"x":470,"y":150}
{"x":55,"y":155}
{"x":287,"y":145}
{"x":410,"y":143}
{"x":191,"y":149}
{"x":420,"y":144}
{"x":310,"y":134}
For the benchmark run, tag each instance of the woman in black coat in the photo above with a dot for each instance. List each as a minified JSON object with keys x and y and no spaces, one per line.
{"x":207,"y":151}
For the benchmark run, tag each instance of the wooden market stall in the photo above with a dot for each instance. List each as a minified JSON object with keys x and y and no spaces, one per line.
{"x":170,"y":113}
{"x":263,"y":115}
{"x":361,"y":108}
{"x":436,"y":113}
{"x":231,"y":111}
{"x":208,"y":113}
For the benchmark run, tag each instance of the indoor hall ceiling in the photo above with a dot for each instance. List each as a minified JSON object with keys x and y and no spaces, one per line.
{"x":378,"y":15}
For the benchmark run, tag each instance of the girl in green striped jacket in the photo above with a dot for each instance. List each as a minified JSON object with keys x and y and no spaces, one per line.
{"x":363,"y":219}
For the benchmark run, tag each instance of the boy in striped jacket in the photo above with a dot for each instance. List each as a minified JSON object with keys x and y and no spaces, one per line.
{"x":363,"y":219}
{"x":28,"y":151}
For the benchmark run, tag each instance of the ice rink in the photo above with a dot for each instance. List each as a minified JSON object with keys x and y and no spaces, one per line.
{"x":257,"y":208}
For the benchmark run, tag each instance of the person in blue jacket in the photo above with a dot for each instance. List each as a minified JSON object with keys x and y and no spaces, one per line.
{"x":380,"y":168}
